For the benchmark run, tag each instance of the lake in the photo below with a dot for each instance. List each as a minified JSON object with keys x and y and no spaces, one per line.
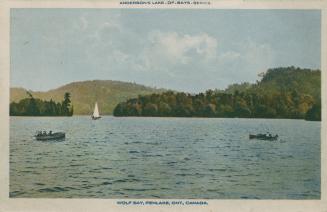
{"x":180,"y":158}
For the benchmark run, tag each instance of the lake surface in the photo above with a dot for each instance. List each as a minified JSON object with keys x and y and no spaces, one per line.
{"x":165,"y":158}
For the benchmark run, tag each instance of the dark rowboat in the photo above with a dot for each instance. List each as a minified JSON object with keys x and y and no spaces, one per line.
{"x":263,"y":137}
{"x":95,"y":118}
{"x":52,"y":136}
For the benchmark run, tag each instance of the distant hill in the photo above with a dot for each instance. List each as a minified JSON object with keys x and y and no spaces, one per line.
{"x":284,"y":79}
{"x":84,"y":94}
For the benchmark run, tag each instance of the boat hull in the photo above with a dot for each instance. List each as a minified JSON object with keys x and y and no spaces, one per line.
{"x":54,"y":136}
{"x":263,"y":137}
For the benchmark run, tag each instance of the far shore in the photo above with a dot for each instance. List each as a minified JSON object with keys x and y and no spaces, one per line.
{"x":164,"y":117}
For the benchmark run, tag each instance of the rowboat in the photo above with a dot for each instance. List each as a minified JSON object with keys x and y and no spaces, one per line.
{"x":50,"y":136}
{"x":268,"y":137}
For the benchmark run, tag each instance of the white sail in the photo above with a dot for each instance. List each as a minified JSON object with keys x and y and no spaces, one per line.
{"x":96,"y":111}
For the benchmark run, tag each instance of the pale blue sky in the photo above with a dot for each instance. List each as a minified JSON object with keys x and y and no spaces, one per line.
{"x":187,"y":50}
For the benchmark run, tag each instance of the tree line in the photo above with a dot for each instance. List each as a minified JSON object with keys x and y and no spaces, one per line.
{"x":256,"y":101}
{"x":36,"y":107}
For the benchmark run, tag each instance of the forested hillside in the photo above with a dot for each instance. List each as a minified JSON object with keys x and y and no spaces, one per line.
{"x":281,"y":93}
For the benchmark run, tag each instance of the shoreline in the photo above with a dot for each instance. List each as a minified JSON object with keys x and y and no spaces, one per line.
{"x":164,"y":117}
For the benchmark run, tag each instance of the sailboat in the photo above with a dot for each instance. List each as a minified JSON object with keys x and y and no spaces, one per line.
{"x":96,"y":114}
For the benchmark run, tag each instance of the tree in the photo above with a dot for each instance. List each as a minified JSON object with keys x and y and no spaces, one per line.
{"x":66,"y":104}
{"x":150,"y":110}
{"x":32,"y":107}
{"x":210,"y":110}
{"x":164,"y":109}
{"x":314,"y":113}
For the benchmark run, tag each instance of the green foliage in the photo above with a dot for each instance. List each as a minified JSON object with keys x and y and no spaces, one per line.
{"x":314,"y":113}
{"x":282,"y":93}
{"x":37,"y":107}
{"x":237,"y":87}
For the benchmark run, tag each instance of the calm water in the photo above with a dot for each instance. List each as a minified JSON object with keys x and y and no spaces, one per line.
{"x":165,"y":158}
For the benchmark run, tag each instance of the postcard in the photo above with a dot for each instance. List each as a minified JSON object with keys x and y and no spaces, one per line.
{"x":163,"y":105}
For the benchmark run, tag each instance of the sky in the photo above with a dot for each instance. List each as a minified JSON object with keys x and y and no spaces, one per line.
{"x":189,"y":50}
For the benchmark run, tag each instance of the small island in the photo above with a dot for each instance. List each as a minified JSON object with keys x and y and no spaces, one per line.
{"x":290,"y":92}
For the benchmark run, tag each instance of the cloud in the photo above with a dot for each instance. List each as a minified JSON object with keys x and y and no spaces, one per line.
{"x":120,"y":57}
{"x":175,"y":48}
{"x":175,"y":60}
{"x":258,"y":55}
{"x":106,"y":29}
{"x":229,"y":56}
{"x":256,"y":58}
{"x":170,"y":59}
{"x":244,"y":62}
